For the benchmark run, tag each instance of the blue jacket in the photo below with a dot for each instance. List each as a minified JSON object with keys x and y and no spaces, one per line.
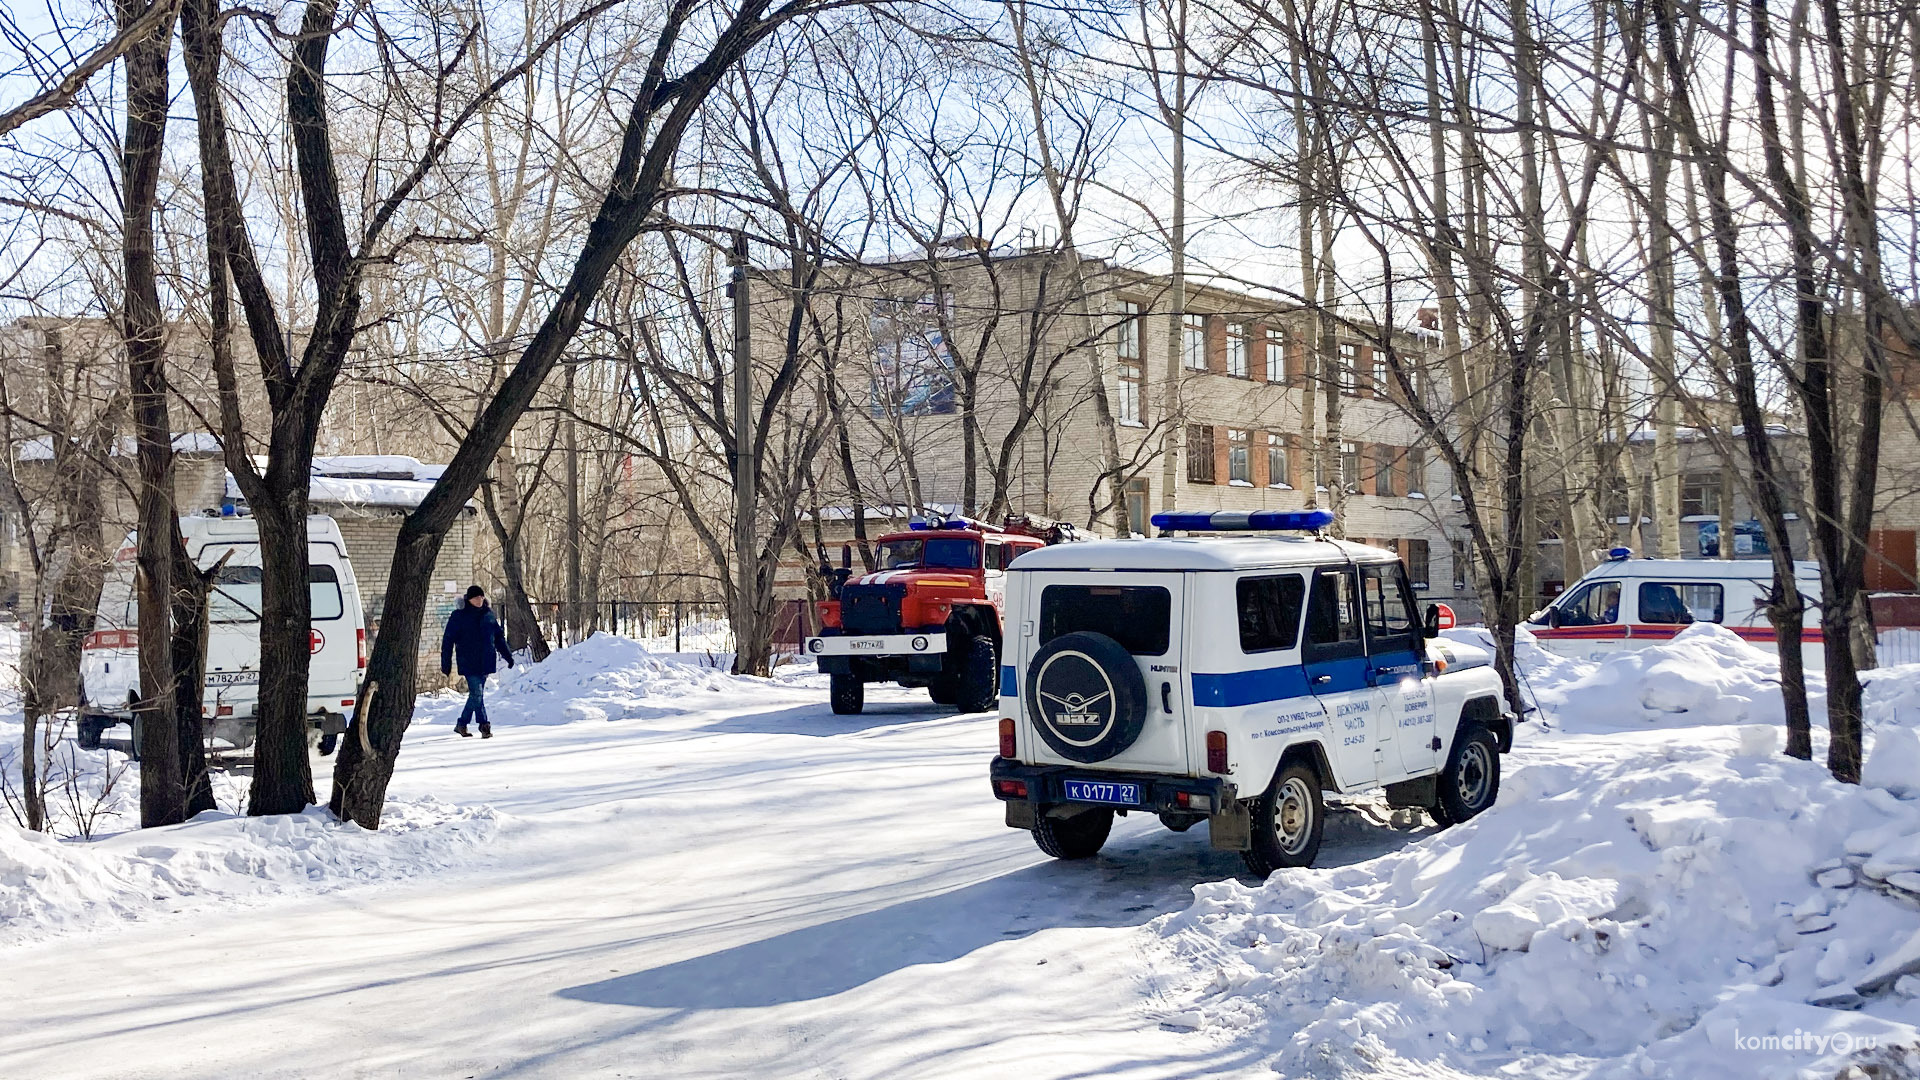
{"x":476,"y":635}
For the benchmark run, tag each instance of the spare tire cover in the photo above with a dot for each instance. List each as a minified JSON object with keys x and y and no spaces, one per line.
{"x":1086,"y":696}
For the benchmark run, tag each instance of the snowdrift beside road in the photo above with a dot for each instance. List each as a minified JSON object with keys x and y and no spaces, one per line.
{"x":50,"y":886}
{"x":602,"y":678}
{"x":1640,"y":903}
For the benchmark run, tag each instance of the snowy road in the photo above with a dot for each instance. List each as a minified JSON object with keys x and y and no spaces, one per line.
{"x":740,"y":887}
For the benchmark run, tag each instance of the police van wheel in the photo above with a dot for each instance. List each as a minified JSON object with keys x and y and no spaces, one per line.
{"x":980,"y":677}
{"x":848,"y":694}
{"x":1078,"y":837}
{"x":329,"y":743}
{"x":1287,"y":822}
{"x":1471,"y":781}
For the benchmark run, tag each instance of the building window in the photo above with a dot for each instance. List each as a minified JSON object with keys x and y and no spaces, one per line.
{"x":1240,"y":457}
{"x":1277,"y":474}
{"x":1349,"y":365}
{"x":1350,"y":466}
{"x":1416,"y":470}
{"x":1276,"y":356}
{"x":1193,"y":341}
{"x":1321,"y":467}
{"x":1199,"y":454}
{"x":1138,"y":520}
{"x":1382,"y":374}
{"x":1129,"y":331}
{"x":1462,"y":565}
{"x":1237,"y":349}
{"x":1417,"y":562}
{"x":1383,"y":483}
{"x":1127,"y":409}
{"x":1700,"y":495}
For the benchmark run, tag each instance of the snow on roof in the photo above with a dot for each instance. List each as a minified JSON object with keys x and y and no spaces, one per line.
{"x":186,"y":442}
{"x":1197,"y":553}
{"x":393,"y":480}
{"x":1692,"y":434}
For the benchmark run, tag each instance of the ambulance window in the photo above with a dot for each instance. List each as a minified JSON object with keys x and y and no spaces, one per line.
{"x":1139,"y":617}
{"x":1270,"y":611}
{"x":1596,"y":605}
{"x":1333,"y":615}
{"x":235,"y":597}
{"x":1681,"y":602}
{"x":1388,"y":606}
{"x":323,"y":590}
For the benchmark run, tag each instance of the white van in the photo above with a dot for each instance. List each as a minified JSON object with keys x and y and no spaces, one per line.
{"x":1231,"y":680}
{"x":109,"y":665}
{"x":1629,"y":603}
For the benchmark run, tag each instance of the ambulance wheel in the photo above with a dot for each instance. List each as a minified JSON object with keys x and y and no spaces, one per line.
{"x":1078,"y":837}
{"x":1471,"y":781}
{"x":979,"y":683}
{"x":90,"y":729}
{"x":329,"y":743}
{"x":1287,"y":822}
{"x":133,"y":743}
{"x":849,"y":694}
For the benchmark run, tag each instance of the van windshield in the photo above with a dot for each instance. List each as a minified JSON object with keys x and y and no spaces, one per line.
{"x":236,"y":594}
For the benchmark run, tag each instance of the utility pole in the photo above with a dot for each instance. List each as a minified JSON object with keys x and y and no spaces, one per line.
{"x":745,"y":484}
{"x":572,"y":620}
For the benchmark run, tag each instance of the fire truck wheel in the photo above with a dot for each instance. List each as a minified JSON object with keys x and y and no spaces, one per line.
{"x":849,"y":694}
{"x":980,"y":677}
{"x":944,"y":690}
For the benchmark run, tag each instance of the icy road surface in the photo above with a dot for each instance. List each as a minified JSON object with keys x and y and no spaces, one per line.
{"x":741,"y":885}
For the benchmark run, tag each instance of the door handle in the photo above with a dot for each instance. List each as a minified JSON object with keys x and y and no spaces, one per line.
{"x":1318,"y":679}
{"x":1166,"y":698}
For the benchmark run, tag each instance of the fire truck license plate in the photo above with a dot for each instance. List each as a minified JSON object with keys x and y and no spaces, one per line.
{"x":1101,"y":792}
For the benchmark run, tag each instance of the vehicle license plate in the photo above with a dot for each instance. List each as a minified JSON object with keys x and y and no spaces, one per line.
{"x":232,"y":678}
{"x":1103,"y":792}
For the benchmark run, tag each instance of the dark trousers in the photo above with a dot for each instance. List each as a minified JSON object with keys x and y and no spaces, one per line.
{"x":476,"y":701}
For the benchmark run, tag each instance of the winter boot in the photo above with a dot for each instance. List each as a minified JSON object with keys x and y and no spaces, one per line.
{"x":486,"y":730}
{"x":461,"y":730}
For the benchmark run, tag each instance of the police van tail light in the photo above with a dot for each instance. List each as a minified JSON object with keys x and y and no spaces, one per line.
{"x":1006,"y":736}
{"x":360,"y":647}
{"x":1217,"y":751}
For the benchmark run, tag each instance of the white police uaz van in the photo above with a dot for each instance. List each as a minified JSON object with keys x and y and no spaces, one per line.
{"x":1232,"y":680}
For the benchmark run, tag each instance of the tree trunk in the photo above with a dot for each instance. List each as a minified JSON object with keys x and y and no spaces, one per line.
{"x":162,"y":797}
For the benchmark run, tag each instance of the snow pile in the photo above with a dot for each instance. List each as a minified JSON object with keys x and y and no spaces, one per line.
{"x":1640,"y":902}
{"x":605,"y":677}
{"x":50,"y":886}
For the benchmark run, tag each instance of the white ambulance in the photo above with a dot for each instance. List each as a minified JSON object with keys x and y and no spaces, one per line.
{"x":110,"y":669}
{"x":1629,"y":603}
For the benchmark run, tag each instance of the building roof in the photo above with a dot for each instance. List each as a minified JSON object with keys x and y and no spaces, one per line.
{"x":1198,"y":553}
{"x":186,"y":442}
{"x":372,"y":480}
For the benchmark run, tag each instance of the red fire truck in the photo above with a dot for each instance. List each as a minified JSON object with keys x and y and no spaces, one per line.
{"x":929,"y":612}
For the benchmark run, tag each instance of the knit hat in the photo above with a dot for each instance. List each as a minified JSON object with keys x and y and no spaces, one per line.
{"x":475,"y":590}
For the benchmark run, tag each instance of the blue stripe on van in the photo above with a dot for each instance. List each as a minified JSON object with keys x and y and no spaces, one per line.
{"x":1249,"y":687}
{"x":1009,"y":685}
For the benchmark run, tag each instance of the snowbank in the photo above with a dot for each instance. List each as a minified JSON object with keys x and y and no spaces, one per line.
{"x":1657,"y":893}
{"x":50,"y":886}
{"x":602,"y":678}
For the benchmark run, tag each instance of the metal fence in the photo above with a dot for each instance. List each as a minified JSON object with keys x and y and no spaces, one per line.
{"x":687,"y":625}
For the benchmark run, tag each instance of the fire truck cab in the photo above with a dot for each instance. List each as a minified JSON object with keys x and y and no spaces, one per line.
{"x":928,"y":614}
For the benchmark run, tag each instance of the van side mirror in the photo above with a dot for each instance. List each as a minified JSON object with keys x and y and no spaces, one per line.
{"x":1430,"y":626}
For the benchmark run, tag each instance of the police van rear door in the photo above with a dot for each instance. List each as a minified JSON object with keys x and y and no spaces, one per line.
{"x":1146,"y":613}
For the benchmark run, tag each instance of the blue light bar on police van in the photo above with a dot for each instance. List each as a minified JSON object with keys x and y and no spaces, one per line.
{"x":1244,"y":520}
{"x":1619,"y":554}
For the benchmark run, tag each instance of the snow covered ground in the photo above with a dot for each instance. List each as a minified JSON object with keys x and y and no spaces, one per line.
{"x":658,"y":868}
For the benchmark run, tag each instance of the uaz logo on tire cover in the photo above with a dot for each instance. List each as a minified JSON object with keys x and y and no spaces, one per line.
{"x":1076,"y":697}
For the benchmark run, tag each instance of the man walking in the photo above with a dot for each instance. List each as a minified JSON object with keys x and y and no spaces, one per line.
{"x":474,"y":634}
